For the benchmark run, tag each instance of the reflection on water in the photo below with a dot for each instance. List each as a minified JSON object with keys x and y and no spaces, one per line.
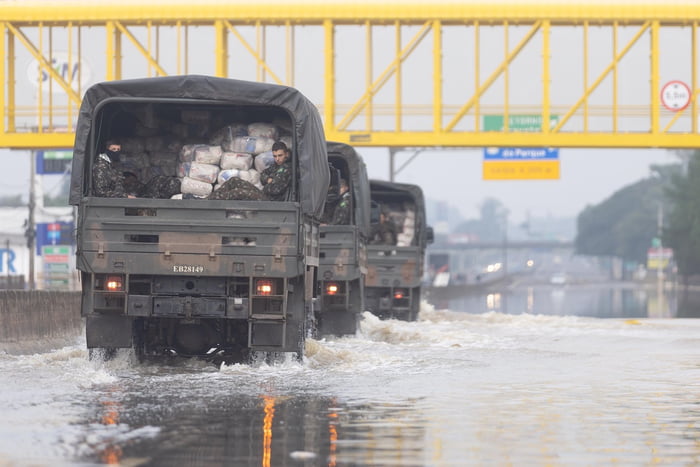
{"x":599,"y":301}
{"x":453,"y":388}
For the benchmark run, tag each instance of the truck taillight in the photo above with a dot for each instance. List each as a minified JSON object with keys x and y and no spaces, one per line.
{"x":114,"y":283}
{"x":399,"y":294}
{"x":332,"y":288}
{"x":263,"y":287}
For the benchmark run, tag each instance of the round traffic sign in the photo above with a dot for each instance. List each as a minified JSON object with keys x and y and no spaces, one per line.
{"x":675,"y":95}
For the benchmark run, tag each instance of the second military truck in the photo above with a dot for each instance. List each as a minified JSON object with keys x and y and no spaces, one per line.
{"x":343,"y":254}
{"x":189,"y":275}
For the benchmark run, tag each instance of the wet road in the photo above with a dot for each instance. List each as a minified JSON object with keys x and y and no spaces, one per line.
{"x":453,"y":388}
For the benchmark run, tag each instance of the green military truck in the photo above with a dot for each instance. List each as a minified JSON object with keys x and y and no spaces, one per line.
{"x":396,"y":250}
{"x":343,"y":257}
{"x":219,"y":279}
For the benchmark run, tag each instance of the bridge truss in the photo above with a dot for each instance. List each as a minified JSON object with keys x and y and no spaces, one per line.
{"x":396,"y":74}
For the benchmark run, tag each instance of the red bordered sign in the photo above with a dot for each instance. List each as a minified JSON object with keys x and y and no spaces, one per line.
{"x":675,"y":95}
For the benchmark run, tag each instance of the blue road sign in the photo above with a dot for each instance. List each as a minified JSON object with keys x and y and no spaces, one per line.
{"x":521,"y":154}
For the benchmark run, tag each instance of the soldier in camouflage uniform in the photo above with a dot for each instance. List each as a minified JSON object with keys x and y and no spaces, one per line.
{"x":385,"y":232}
{"x":341,"y":213}
{"x":236,"y":188}
{"x":277,"y":177}
{"x":107,"y":181}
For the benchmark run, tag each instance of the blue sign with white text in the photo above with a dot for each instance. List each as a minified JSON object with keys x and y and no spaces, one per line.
{"x":521,"y":154}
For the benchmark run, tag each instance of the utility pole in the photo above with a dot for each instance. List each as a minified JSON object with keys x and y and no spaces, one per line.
{"x":31,"y":228}
{"x":660,"y":263}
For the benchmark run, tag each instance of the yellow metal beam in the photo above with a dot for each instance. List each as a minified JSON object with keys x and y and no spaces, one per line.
{"x":43,"y":63}
{"x":489,"y":81}
{"x":384,"y":77}
{"x":349,"y":11}
{"x":152,"y":62}
{"x":258,"y":58}
{"x":518,"y":139}
{"x":617,"y":57}
{"x":426,"y":94}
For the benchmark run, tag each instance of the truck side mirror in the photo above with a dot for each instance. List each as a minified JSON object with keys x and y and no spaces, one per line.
{"x":429,"y":235}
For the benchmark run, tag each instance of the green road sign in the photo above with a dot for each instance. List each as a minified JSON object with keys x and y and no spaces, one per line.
{"x":517,"y":122}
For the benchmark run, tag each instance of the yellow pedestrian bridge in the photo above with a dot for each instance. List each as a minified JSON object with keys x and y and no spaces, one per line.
{"x":579,"y":73}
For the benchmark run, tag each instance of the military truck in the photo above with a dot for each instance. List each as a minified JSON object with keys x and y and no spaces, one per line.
{"x":196,"y":277}
{"x":343,"y":254}
{"x":396,"y":254}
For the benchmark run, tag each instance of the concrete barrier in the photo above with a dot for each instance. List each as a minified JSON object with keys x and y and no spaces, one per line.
{"x":38,"y":320}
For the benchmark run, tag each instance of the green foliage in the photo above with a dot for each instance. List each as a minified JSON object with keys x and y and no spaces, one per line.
{"x":682,"y":229}
{"x":625,"y":224}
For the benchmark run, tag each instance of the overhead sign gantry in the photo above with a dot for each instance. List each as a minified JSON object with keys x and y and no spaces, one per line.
{"x":391,"y":73}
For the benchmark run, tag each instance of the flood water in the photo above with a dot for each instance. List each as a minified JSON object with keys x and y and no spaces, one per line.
{"x":570,"y":383}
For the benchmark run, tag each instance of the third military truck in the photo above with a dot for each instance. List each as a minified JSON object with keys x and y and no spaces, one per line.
{"x":187,"y":274}
{"x":396,"y":250}
{"x":343,"y":253}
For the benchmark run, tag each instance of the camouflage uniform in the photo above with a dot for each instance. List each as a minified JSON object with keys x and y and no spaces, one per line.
{"x":341,"y":214}
{"x":281,"y":176}
{"x":383,"y":233}
{"x":236,"y":188}
{"x":107,"y":181}
{"x":161,"y":186}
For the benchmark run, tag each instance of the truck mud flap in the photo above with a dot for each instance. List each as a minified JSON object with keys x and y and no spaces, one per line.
{"x":108,"y":331}
{"x":267,"y":335}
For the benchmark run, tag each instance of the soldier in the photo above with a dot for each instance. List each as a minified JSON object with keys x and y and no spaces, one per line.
{"x":107,"y":181}
{"x":383,"y":233}
{"x":236,"y":188}
{"x":276,"y":178}
{"x":341,"y":213}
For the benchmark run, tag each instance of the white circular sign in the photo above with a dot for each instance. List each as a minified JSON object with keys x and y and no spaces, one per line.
{"x":67,"y":67}
{"x":675,"y":95}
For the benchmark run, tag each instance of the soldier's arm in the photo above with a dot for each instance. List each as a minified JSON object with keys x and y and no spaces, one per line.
{"x":280,"y":182}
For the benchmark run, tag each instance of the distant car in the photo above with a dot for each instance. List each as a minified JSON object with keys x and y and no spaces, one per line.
{"x":558,"y":279}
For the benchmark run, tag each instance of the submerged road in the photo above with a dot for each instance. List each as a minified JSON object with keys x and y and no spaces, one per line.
{"x":453,"y":388}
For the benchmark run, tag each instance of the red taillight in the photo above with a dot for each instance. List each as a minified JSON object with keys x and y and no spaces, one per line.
{"x":332,"y":289}
{"x":263,"y":287}
{"x":398,"y":294}
{"x":114,"y":283}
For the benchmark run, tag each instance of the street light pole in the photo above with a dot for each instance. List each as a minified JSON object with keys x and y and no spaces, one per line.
{"x":660,"y":260}
{"x":31,"y":231}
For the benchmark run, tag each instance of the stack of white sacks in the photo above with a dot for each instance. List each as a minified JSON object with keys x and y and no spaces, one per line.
{"x":405,"y":236}
{"x":242,"y":152}
{"x":236,"y":150}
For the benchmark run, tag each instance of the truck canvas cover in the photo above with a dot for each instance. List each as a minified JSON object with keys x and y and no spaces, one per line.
{"x":358,"y":175}
{"x":308,"y":134}
{"x":379,"y":188}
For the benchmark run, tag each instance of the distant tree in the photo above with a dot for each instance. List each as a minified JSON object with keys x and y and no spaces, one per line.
{"x":12,"y":201}
{"x":682,"y":229}
{"x":490,"y":226}
{"x":625,"y":224}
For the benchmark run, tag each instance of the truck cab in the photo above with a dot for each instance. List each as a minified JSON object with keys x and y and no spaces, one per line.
{"x":396,"y":250}
{"x":343,"y":252}
{"x":190,"y":275}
